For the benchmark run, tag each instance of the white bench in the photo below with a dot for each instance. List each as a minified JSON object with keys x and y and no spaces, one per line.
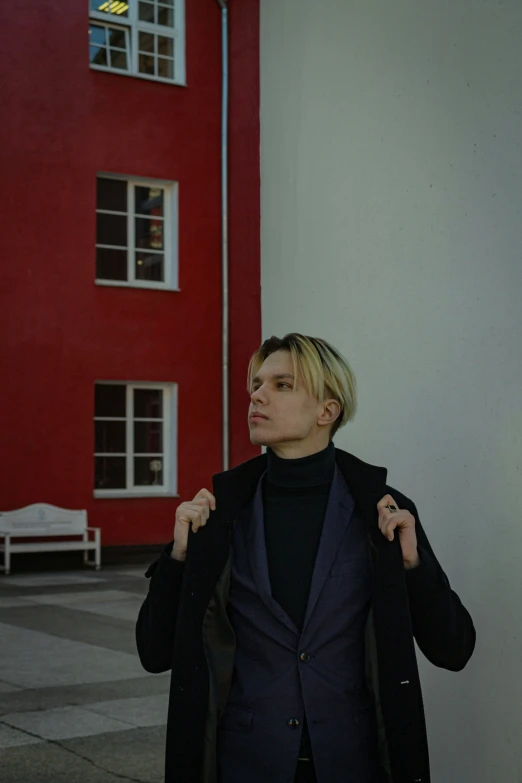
{"x":41,"y":520}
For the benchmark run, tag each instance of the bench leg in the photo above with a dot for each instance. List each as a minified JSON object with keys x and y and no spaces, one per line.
{"x":7,"y":555}
{"x":97,"y":552}
{"x":95,"y":562}
{"x":86,"y":560}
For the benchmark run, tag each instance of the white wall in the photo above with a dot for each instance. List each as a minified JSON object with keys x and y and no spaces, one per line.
{"x":391,"y":166}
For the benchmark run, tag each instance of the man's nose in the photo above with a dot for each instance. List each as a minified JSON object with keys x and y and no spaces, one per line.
{"x":258,"y":396}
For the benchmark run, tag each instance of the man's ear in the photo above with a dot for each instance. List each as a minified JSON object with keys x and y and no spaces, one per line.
{"x":331,"y":410}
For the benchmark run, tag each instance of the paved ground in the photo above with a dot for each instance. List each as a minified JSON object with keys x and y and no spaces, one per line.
{"x":75,"y":704}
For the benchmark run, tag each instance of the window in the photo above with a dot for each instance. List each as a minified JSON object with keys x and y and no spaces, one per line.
{"x":136,"y":233}
{"x":139,"y":37}
{"x":134,"y":436}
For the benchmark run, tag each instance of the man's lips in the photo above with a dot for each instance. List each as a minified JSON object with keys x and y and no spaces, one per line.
{"x":257,"y":416}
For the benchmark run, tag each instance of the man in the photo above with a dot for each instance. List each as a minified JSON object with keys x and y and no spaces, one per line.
{"x":288,"y":602}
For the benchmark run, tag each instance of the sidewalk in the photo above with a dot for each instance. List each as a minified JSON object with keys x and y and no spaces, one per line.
{"x":75,"y":704}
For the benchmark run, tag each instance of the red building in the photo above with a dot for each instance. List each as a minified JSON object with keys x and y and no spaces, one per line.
{"x":111,"y":293}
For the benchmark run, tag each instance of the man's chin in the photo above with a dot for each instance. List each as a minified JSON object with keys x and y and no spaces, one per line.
{"x":257,"y":439}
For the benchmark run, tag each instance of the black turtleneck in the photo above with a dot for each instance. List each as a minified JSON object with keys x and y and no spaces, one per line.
{"x":295,"y":494}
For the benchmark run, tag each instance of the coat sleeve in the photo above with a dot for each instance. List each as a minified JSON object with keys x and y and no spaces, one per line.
{"x":156,"y":622}
{"x":442,"y":627}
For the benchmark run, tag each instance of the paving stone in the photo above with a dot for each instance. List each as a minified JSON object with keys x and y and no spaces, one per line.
{"x":90,"y":596}
{"x":68,"y":623}
{"x":26,"y":700}
{"x":63,"y":723}
{"x":138,"y":754}
{"x":52,"y":763}
{"x":123,"y":606}
{"x":137,"y":573}
{"x":111,"y":582}
{"x":32,"y":659}
{"x":7,"y":687}
{"x":45,"y":580}
{"x":140,"y":711}
{"x":120,"y":610}
{"x":12,"y":738}
{"x":14,"y":601}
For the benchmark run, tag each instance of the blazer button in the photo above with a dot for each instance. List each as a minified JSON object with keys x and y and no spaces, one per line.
{"x":294,"y":723}
{"x":305,"y":657}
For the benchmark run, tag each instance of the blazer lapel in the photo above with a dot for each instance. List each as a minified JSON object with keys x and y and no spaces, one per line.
{"x":254,"y":528}
{"x":339,"y":511}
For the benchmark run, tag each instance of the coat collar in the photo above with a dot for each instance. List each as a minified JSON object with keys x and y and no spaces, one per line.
{"x":234,"y":488}
{"x":367,"y":484}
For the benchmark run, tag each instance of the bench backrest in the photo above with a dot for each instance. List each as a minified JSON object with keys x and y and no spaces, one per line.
{"x":42,"y":519}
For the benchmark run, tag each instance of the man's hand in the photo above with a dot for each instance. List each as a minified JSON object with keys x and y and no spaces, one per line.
{"x":194,"y":512}
{"x":404,"y":523}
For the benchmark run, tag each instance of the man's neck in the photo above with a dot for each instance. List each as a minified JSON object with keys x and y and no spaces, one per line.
{"x":299,"y":449}
{"x":313,"y":470}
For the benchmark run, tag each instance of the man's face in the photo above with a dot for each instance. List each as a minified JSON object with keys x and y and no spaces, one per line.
{"x":287,"y":416}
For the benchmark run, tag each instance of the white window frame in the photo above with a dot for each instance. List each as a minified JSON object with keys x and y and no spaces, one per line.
{"x":126,"y":31}
{"x":170,"y":421}
{"x":170,"y":234}
{"x":134,"y":26}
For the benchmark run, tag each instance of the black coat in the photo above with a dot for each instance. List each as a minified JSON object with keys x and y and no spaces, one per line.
{"x":183,"y":626}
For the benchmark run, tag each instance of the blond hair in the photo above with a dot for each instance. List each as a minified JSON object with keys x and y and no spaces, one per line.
{"x":324,"y":371}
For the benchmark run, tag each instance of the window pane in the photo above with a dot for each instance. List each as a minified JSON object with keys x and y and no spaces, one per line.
{"x":98,"y":5}
{"x":111,"y":194}
{"x":117,"y":38}
{"x":148,"y":404}
{"x":97,"y":35}
{"x":149,"y":233}
{"x":111,"y":264}
{"x":149,"y":201}
{"x":110,"y":473}
{"x":146,"y":12}
{"x":146,"y":42}
{"x":110,"y":437}
{"x":146,"y":64}
{"x":148,"y":437}
{"x":118,"y":59}
{"x":165,"y":46}
{"x":165,"y":16}
{"x":165,"y":68}
{"x":110,"y":399}
{"x":148,"y":472}
{"x":150,"y":266}
{"x":111,"y":229}
{"x":98,"y":55}
{"x":167,"y":2}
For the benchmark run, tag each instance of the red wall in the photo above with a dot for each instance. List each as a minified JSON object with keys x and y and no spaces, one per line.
{"x":62,"y":123}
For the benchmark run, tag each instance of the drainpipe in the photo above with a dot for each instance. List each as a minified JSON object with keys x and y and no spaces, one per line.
{"x":224,"y":234}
